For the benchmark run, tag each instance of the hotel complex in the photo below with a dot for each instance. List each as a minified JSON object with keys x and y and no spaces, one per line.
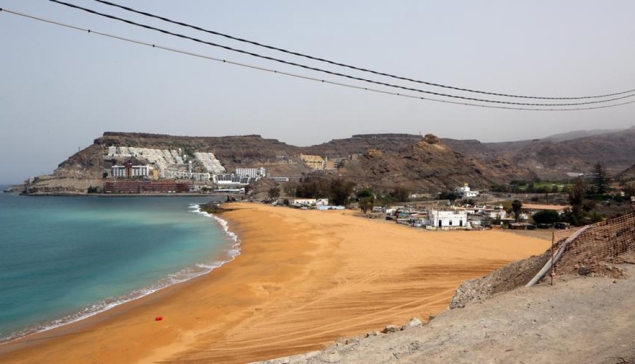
{"x":197,"y":169}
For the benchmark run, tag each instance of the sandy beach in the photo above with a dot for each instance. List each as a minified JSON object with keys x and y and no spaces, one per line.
{"x":304,"y":279}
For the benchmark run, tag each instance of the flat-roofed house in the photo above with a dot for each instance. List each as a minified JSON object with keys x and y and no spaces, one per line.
{"x":533,"y":208}
{"x":448,"y":219}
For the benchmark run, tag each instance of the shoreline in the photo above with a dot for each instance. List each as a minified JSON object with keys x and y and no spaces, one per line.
{"x":304,"y":279}
{"x":105,"y":305}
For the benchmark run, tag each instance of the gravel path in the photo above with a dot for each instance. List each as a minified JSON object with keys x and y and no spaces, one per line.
{"x":579,"y":320}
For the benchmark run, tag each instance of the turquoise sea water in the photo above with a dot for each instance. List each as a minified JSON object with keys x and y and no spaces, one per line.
{"x":66,"y":258}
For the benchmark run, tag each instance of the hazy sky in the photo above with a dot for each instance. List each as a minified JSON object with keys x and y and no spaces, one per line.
{"x":60,"y":89}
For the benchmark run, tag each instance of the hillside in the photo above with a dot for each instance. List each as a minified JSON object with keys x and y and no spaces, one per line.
{"x":428,"y":165}
{"x":358,"y":144}
{"x":248,"y":150}
{"x":553,"y":157}
{"x":551,"y":160}
{"x":627,"y":175}
{"x":380,"y":160}
{"x":403,"y":160}
{"x":576,"y":134}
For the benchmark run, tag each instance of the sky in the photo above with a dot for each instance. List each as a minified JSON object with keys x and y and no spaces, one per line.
{"x":60,"y":88}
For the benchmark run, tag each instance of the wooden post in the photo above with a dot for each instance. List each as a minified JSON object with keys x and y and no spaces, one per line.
{"x":553,"y":237}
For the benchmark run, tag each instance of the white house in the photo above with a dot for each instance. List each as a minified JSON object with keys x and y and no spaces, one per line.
{"x":302,"y":201}
{"x":466,"y":192}
{"x":309,"y":202}
{"x":495,"y":214}
{"x":448,"y":219}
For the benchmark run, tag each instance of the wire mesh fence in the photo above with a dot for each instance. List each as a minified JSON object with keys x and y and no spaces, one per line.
{"x":609,"y":241}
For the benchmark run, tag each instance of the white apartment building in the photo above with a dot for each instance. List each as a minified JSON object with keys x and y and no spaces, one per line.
{"x":131,"y":171}
{"x":251,"y":172}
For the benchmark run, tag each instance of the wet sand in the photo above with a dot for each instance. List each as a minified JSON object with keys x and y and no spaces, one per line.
{"x":304,"y":279}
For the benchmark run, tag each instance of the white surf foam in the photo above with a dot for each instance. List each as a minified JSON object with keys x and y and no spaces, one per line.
{"x":181,"y":276}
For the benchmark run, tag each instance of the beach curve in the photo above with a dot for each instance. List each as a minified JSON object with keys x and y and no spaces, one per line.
{"x":304,"y":279}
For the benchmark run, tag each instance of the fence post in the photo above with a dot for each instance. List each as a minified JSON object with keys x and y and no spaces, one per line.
{"x":553,"y":236}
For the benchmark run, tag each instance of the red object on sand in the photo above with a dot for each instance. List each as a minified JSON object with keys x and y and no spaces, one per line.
{"x":158,"y":318}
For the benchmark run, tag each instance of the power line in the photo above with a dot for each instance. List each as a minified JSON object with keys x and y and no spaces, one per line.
{"x":350,"y":66}
{"x":244,"y":65}
{"x":183,"y":36}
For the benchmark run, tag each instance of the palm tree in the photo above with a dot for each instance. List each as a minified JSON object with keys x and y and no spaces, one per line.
{"x":516,"y":207}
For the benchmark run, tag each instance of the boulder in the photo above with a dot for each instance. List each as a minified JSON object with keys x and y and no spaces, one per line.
{"x":389,"y":328}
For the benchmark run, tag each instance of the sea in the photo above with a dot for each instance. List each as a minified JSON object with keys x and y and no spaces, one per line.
{"x":63,"y":259}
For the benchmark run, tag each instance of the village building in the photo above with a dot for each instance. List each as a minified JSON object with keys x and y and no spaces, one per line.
{"x":466,"y":192}
{"x":533,"y":208}
{"x":494,"y":214}
{"x":299,"y":202}
{"x":448,"y":219}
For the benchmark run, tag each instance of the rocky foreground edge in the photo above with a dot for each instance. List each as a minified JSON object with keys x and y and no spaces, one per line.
{"x":580,"y":319}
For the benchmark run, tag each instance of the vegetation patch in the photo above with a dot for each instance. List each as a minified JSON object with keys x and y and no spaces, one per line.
{"x":214,"y":208}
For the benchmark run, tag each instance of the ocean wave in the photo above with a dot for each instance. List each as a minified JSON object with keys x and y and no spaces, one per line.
{"x":181,"y":276}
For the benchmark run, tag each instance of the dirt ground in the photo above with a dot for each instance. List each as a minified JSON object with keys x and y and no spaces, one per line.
{"x":578,"y":320}
{"x":544,"y":234}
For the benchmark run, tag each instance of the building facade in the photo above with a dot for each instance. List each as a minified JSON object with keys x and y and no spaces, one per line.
{"x":146,"y":187}
{"x":129,"y":171}
{"x":232,"y":180}
{"x":466,"y":192}
{"x":448,"y":219}
{"x":251,"y":172}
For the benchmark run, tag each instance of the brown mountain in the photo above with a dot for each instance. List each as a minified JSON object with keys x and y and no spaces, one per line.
{"x":382,"y":160}
{"x":552,"y":160}
{"x":553,"y":157}
{"x":627,"y":175}
{"x":428,"y":165}
{"x":358,"y":144}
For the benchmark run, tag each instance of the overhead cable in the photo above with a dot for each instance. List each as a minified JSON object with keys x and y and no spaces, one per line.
{"x":183,"y":36}
{"x":350,"y":66}
{"x":129,"y":40}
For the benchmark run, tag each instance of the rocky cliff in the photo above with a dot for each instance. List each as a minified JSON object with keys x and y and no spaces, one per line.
{"x":427,"y":165}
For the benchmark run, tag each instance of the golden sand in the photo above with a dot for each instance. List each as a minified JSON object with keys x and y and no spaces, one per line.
{"x":304,"y":279}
